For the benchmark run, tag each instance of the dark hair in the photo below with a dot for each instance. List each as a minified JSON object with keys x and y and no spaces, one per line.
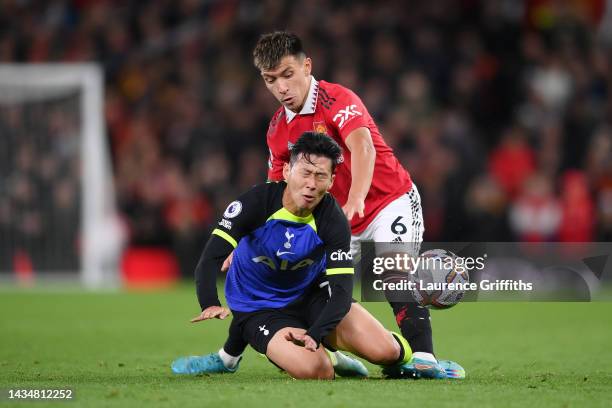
{"x":318,"y":144}
{"x":272,"y":47}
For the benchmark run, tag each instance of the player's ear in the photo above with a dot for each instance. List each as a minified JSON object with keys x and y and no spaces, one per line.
{"x":333,"y":177}
{"x":286,"y":170}
{"x":307,"y":66}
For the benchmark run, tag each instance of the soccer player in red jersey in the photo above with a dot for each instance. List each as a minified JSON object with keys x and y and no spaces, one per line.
{"x":370,"y":177}
{"x":373,"y":188}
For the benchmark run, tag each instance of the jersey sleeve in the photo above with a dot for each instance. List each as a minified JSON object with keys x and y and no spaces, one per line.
{"x":335,"y":233}
{"x":215,"y":252}
{"x":348,"y":112}
{"x":275,"y":159}
{"x":275,"y":167}
{"x":336,"y":236}
{"x":337,"y":306}
{"x":242,"y":215}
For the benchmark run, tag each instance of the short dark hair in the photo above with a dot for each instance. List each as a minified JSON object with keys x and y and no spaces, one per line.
{"x":272,"y":47}
{"x":318,"y":144}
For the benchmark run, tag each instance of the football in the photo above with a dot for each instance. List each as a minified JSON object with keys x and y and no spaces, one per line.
{"x":440,"y":279}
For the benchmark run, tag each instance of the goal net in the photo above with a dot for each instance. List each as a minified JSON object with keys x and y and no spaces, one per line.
{"x":57,"y":207}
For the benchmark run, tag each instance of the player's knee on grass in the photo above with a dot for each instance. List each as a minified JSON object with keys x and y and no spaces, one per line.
{"x":298,"y":362}
{"x":383,"y":350}
{"x":319,"y":368}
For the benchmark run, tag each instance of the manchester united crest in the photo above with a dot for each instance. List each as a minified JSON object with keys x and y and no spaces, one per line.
{"x":319,"y":127}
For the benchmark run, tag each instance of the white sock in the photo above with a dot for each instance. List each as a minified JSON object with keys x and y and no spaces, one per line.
{"x":340,"y":359}
{"x":424,"y":356}
{"x":229,"y":361}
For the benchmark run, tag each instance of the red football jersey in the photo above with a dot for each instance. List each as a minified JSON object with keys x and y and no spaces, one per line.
{"x":336,"y":111}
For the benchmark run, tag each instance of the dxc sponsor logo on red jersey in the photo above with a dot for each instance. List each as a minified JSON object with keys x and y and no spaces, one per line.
{"x":346,"y":114}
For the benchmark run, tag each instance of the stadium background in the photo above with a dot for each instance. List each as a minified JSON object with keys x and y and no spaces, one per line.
{"x":500,"y":110}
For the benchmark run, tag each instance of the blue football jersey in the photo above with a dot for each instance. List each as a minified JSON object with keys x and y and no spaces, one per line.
{"x":277,"y":254}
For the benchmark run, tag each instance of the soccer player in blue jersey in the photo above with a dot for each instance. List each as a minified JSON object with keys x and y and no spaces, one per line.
{"x":290,"y":283}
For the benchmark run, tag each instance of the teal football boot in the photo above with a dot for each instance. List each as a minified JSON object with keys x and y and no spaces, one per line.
{"x":416,"y":368}
{"x":208,"y":364}
{"x":453,"y":370}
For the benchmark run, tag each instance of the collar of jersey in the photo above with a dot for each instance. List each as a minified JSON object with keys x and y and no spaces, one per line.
{"x":309,"y":105}
{"x":284,"y":214}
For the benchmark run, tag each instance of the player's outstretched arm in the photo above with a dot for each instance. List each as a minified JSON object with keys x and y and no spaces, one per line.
{"x":215,"y":252}
{"x":338,"y":305}
{"x":212,"y":312}
{"x":363,"y":156}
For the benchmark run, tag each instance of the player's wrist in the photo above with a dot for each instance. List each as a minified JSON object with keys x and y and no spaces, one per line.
{"x":357,"y":195}
{"x":317,"y":339}
{"x":206,"y":305}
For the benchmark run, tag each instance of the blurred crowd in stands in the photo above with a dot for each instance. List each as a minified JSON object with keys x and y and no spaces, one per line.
{"x":501,"y":110}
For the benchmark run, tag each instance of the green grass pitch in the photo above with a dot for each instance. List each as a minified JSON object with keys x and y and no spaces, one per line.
{"x":114,"y":349}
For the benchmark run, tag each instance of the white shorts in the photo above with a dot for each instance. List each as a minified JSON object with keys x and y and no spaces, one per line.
{"x":401,"y":221}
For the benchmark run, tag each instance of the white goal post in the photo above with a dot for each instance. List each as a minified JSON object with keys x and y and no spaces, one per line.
{"x":101,"y":238}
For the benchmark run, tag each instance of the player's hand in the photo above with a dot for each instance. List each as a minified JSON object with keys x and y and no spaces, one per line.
{"x":302,"y":340}
{"x":353,"y":205}
{"x":212,"y":312}
{"x":227,"y":262}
